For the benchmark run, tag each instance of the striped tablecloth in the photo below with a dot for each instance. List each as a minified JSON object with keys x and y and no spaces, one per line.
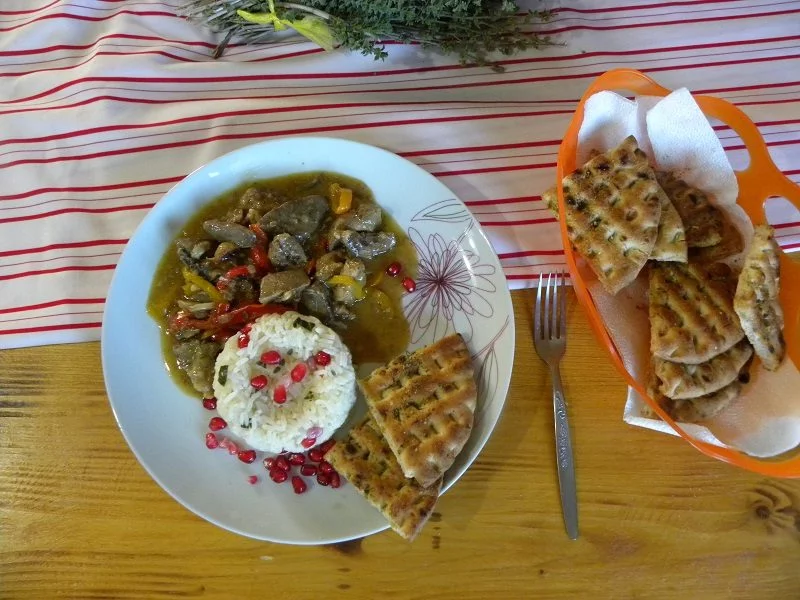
{"x":105,"y":104}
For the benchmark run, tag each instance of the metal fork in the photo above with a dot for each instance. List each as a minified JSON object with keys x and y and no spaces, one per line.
{"x":550,"y":339}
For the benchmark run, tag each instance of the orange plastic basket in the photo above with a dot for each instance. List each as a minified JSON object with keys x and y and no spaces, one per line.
{"x":761,"y":180}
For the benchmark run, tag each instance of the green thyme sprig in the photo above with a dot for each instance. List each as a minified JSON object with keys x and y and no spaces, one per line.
{"x":471,"y":29}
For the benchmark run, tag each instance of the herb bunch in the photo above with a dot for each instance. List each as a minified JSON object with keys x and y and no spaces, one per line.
{"x":471,"y":29}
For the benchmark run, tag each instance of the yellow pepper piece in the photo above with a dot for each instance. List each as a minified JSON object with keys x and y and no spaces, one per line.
{"x":341,"y":199}
{"x":381,"y":301}
{"x":197,"y":281}
{"x":375,"y":279}
{"x":358,"y":289}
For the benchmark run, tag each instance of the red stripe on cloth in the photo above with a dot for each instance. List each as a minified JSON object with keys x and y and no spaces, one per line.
{"x":126,"y":36}
{"x":519,"y":222}
{"x":785,"y":225}
{"x":62,"y":302}
{"x":496,"y":201}
{"x":64,"y":246}
{"x":545,"y":31}
{"x":58,"y":270}
{"x":505,"y":255}
{"x":51,"y":259}
{"x":103,"y":53}
{"x":149,"y":13}
{"x":92,"y":188}
{"x":791,"y":246}
{"x":482,"y":148}
{"x":531,"y":277}
{"x":67,"y":211}
{"x":639,"y":6}
{"x":49,"y":328}
{"x":268,"y":134}
{"x":285,"y":109}
{"x":388,"y":73}
{"x":493,"y":169}
{"x":30,"y":11}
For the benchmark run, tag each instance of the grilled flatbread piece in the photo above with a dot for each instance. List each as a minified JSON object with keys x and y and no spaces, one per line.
{"x":702,"y":220}
{"x":613,"y":208}
{"x":691,"y":314}
{"x":671,"y":240}
{"x":550,"y":198}
{"x":366,"y":461}
{"x":731,"y":243}
{"x":702,"y":408}
{"x":680,"y":381}
{"x":756,"y":301}
{"x":424,"y":404}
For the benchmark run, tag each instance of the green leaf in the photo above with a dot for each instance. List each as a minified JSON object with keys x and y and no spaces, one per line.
{"x":310,"y":27}
{"x":315,"y":29}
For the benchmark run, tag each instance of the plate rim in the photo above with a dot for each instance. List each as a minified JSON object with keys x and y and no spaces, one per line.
{"x":506,"y":304}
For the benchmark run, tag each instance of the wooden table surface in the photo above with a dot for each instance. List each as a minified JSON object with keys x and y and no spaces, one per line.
{"x":79,"y":518}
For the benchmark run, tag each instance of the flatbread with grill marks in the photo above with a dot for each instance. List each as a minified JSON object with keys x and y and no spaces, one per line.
{"x":702,"y":220}
{"x":681,"y":381}
{"x":702,"y":408}
{"x":732,"y":243}
{"x":757,"y":298}
{"x":424,"y":404}
{"x":613,"y":210}
{"x":691,"y":313}
{"x":671,"y":241}
{"x":366,"y":461}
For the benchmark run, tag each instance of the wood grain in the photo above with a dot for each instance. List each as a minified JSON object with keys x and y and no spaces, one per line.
{"x":80,"y":519}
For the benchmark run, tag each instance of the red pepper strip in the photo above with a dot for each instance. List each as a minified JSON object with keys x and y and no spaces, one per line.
{"x":235,"y":272}
{"x":261,"y":237}
{"x":221,"y":308}
{"x":249,"y":313}
{"x":232,"y":319}
{"x":260,"y":258}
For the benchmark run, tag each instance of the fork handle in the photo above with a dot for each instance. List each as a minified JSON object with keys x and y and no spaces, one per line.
{"x":564,"y":457}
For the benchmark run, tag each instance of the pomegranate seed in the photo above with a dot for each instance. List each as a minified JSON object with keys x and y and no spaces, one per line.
{"x":409,"y":284}
{"x":271,"y":358}
{"x":393,"y":269}
{"x":325,"y":446}
{"x":233,"y":449}
{"x":217,"y":423}
{"x":269,"y":463}
{"x":295,"y":458}
{"x":247,"y":456}
{"x":278,"y":475}
{"x":335,"y":481}
{"x":308,"y":442}
{"x":244,"y":340}
{"x":299,"y":485}
{"x":315,"y":454}
{"x":308,"y":470}
{"x":209,"y":403}
{"x":314,"y":432}
{"x":246,"y":329}
{"x":325,"y":467}
{"x":259,"y":382}
{"x":253,"y":479}
{"x":211,"y":441}
{"x":279,"y":395}
{"x":323,"y":479}
{"x":282,"y":464}
{"x":322,"y":358}
{"x":299,"y":372}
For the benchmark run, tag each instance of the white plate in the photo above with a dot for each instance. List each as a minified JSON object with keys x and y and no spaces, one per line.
{"x":460,"y":287}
